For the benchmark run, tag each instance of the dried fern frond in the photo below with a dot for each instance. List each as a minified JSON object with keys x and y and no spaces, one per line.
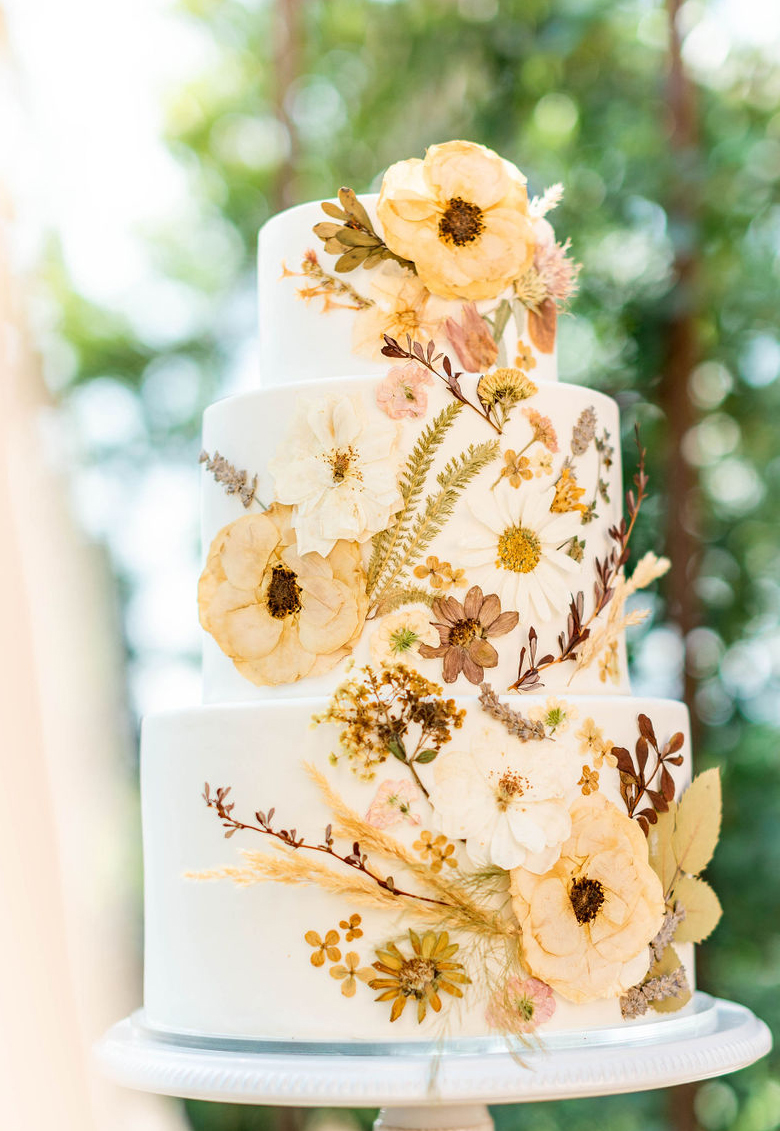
{"x":410,"y":485}
{"x":452,"y":480}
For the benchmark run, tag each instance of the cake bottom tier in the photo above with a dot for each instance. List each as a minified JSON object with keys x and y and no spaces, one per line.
{"x":229,"y":953}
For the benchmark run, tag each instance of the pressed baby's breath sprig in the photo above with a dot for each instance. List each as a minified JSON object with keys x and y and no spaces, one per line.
{"x":234,"y":481}
{"x":578,"y":627}
{"x":395,"y":711}
{"x":427,"y":356}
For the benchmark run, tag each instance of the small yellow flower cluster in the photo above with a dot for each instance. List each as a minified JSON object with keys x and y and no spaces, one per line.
{"x":327,"y":949}
{"x":440,"y":575}
{"x":436,"y":851}
{"x":593,"y":744}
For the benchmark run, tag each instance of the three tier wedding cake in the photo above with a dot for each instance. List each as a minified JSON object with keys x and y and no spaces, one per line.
{"x":446,"y":815}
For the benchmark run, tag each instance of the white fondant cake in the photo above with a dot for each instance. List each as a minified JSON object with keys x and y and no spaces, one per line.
{"x":446,"y":816}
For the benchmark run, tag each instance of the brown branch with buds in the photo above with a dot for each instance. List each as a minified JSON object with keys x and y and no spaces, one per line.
{"x":355,"y":859}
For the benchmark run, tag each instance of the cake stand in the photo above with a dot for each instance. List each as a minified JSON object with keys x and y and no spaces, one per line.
{"x":437,"y":1087}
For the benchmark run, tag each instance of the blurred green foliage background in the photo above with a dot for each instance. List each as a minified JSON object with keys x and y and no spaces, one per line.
{"x":671,"y":165}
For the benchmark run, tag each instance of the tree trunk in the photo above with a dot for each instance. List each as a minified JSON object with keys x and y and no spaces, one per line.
{"x":681,"y":356}
{"x":288,"y":54}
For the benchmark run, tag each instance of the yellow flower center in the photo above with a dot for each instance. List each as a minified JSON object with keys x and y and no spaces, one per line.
{"x":461,"y":222}
{"x":284,"y":593}
{"x":464,"y":631}
{"x":519,"y":549}
{"x":416,"y":975}
{"x":587,"y":897}
{"x":510,"y":785}
{"x":341,"y":460}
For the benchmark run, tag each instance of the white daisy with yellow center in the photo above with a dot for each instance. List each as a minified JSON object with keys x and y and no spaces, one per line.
{"x":519,"y":551}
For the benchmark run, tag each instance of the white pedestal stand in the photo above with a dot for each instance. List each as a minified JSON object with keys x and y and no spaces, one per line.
{"x":428,"y":1088}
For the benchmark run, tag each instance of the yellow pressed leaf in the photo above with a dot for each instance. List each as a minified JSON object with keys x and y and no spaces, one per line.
{"x":698,"y":823}
{"x":659,"y":843}
{"x":667,"y":964}
{"x":702,"y":910}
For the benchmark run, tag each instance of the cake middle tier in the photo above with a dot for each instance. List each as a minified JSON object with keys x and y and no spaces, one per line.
{"x":388,"y":520}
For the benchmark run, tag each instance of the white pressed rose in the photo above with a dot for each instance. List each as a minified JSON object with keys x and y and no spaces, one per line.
{"x":519,"y":550}
{"x":508,"y":800}
{"x":338,"y":471}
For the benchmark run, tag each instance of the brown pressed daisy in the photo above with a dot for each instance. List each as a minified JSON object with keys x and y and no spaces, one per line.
{"x":463,"y":634}
{"x":423,"y":976}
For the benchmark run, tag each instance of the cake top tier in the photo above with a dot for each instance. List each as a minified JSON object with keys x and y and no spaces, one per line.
{"x":451,"y":250}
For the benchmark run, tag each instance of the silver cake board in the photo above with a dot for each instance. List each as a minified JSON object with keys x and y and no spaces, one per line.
{"x":437,"y":1086}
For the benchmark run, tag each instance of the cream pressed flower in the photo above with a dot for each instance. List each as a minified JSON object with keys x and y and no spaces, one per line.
{"x":587,"y":923}
{"x":277,"y":614}
{"x":402,"y":305}
{"x":509,"y":801}
{"x":555,"y":714}
{"x":338,"y":471}
{"x":518,"y":552}
{"x":461,"y":216}
{"x":399,"y":636}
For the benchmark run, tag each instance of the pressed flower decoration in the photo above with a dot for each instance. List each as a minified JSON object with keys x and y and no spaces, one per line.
{"x":588,"y":921}
{"x":403,"y":391}
{"x":392,"y":805}
{"x":517,"y":550}
{"x":465,"y":631}
{"x":461,"y":215}
{"x":520,"y":1006}
{"x":421,"y":977}
{"x":337,"y":471}
{"x":401,"y":635}
{"x":509,"y":802}
{"x":471,"y":339}
{"x":400,"y":304}
{"x":278,"y":614}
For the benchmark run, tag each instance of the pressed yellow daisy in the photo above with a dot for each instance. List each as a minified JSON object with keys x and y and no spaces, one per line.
{"x":423,"y":976}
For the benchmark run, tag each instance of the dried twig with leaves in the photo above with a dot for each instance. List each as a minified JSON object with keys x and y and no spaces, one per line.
{"x":635,"y":779}
{"x":355,"y":859}
{"x":514,"y":722}
{"x":234,"y":481}
{"x":353,"y":237}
